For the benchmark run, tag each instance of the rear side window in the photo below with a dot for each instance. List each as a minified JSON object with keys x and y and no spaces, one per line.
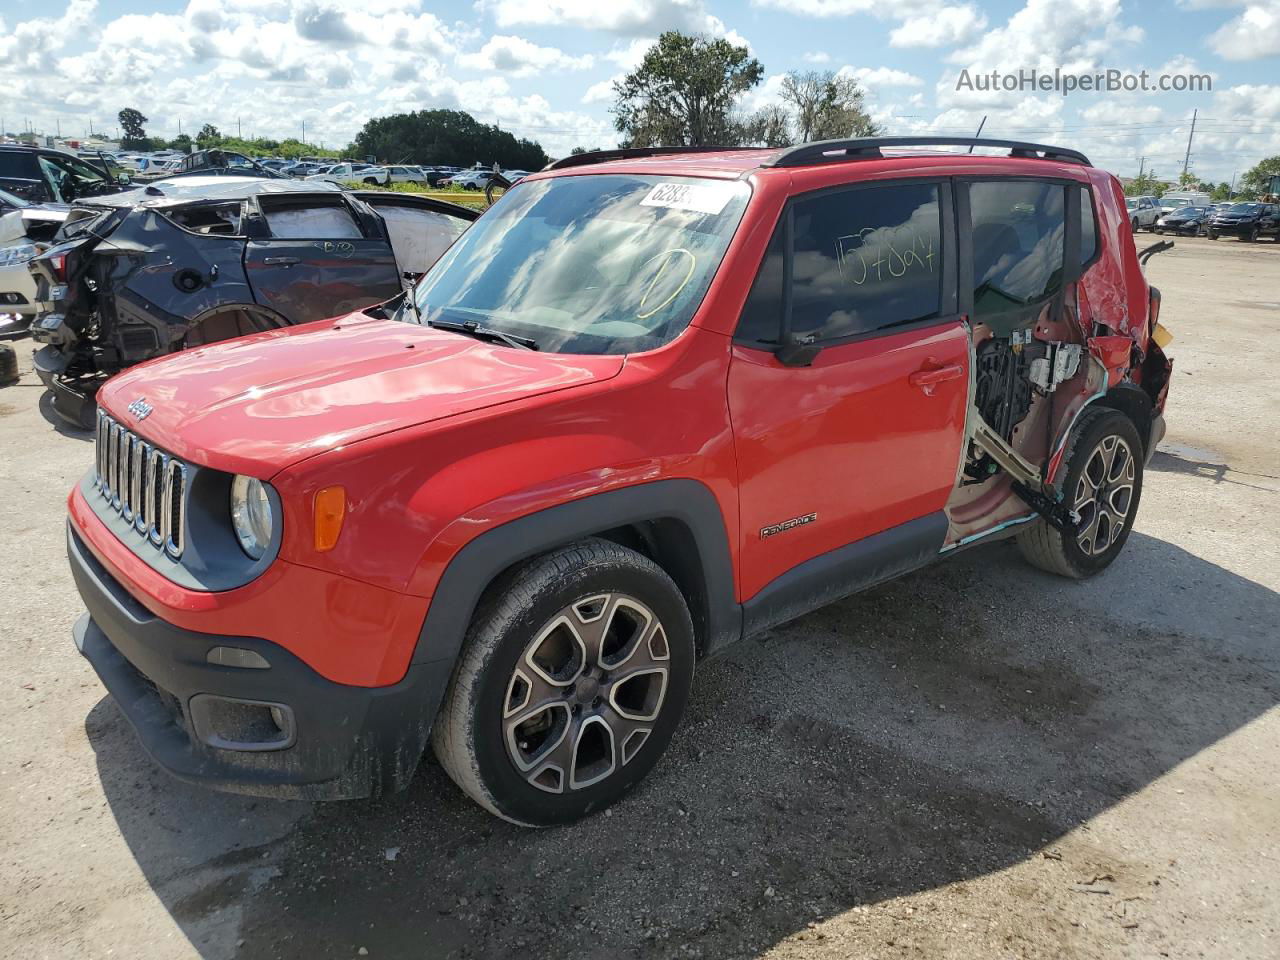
{"x":1088,"y":228}
{"x":313,"y":218}
{"x":1019,"y":232}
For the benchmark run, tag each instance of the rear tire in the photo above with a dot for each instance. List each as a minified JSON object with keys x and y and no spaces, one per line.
{"x":1213,"y":234}
{"x":1103,"y":481}
{"x":573,"y":677}
{"x":1252,"y":236}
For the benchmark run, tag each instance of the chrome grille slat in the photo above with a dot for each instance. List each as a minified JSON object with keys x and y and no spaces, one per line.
{"x":142,"y":483}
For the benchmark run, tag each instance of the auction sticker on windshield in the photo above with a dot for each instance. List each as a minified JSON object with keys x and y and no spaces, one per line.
{"x":698,"y":197}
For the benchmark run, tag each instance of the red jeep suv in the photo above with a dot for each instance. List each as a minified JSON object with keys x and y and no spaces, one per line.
{"x":651,"y":402}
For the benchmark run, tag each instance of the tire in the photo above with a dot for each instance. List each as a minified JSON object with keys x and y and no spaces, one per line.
{"x":532,"y":641}
{"x":1079,"y":557}
{"x":1252,"y":236}
{"x":1213,"y":234}
{"x":1134,"y":224}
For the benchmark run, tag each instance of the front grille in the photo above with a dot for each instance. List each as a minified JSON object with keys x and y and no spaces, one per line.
{"x":143,"y":484}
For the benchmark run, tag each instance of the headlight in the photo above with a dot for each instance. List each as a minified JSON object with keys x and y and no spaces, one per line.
{"x":251,"y":516}
{"x":17,"y":254}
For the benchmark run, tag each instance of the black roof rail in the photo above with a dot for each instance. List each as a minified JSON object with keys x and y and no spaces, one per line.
{"x":630,"y":153}
{"x":833,"y":151}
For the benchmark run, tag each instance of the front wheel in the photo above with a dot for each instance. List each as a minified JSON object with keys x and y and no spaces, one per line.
{"x":575,"y":673}
{"x":1213,"y":234}
{"x":1134,"y":224}
{"x":1251,"y":236}
{"x":1103,"y":484}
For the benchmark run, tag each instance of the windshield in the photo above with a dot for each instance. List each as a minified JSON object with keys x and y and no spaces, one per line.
{"x":600,"y":263}
{"x":1131,"y":203}
{"x":1244,"y":208}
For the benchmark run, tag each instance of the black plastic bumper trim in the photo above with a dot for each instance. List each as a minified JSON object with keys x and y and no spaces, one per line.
{"x":349,"y":742}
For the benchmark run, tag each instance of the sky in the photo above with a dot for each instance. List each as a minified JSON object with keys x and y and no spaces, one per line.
{"x":543,"y":68}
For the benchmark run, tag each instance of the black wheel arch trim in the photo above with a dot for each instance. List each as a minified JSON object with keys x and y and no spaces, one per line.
{"x":687,"y":502}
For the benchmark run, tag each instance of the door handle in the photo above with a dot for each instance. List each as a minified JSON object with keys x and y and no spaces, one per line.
{"x":280,"y":261}
{"x":929,"y":378}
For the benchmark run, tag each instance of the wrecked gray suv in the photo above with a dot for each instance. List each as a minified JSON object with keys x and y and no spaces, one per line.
{"x":187,"y":262}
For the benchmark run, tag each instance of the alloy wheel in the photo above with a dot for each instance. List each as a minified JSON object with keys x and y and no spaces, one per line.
{"x":586,"y":692}
{"x":1104,"y":495}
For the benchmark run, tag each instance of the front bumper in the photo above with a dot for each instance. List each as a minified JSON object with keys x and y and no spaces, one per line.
{"x":1235,"y":229}
{"x":215,"y":724}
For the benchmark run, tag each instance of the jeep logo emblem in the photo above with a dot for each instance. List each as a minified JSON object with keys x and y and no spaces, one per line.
{"x":140,"y":408}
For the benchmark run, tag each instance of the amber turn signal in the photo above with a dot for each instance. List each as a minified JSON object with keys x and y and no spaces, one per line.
{"x":330,"y":511}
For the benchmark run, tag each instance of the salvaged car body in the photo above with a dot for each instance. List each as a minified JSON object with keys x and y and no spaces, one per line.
{"x":213,"y":162}
{"x":191,"y":261}
{"x":25,"y":230}
{"x":653,"y":401}
{"x":42,"y":175}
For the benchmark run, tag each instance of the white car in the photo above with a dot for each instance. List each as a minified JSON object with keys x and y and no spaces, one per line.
{"x":342,"y":173}
{"x":1143,"y":212}
{"x":25,"y":230}
{"x":405,"y":174}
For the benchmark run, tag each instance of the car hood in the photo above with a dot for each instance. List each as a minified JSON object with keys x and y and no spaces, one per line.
{"x":263,"y":403}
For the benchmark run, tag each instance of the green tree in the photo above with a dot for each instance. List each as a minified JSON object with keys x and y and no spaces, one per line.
{"x":444,"y":137}
{"x":208,"y":136}
{"x":181,"y":142}
{"x":1221,"y":191}
{"x":577,"y":150}
{"x":132,"y":122}
{"x":827,"y":106}
{"x":769,"y":126}
{"x":1260,"y":179}
{"x":1145,"y":185}
{"x":684,"y":93}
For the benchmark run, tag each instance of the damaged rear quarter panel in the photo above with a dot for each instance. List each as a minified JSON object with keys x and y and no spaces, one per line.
{"x":1106,"y":292}
{"x":152,"y":259}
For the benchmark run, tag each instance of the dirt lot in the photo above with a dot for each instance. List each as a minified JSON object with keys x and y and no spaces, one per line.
{"x":978,"y":761}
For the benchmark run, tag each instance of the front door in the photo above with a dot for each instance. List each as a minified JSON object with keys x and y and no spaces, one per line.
{"x":318,"y":257}
{"x":867,"y":436}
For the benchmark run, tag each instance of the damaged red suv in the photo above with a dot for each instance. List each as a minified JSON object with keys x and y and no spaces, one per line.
{"x":649,"y":403}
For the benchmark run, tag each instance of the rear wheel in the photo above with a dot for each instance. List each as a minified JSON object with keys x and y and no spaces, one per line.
{"x":1213,"y":234}
{"x":575,"y":673}
{"x":1103,"y":483}
{"x":228,"y":323}
{"x":1252,"y":235}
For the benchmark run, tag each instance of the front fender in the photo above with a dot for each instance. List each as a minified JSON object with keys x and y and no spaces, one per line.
{"x":473,"y":566}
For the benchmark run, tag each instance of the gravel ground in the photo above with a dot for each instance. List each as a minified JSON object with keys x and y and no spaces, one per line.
{"x":979,"y":760}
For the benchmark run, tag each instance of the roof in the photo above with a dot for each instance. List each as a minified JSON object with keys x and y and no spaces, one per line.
{"x":736,"y":162}
{"x":163,"y":193}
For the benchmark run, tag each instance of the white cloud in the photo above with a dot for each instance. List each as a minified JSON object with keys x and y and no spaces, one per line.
{"x":816,"y":56}
{"x":1254,"y":34}
{"x":943,"y":27}
{"x":601,"y":92}
{"x":521,"y":58}
{"x":628,"y":17}
{"x":923,"y":23}
{"x":873,"y":77}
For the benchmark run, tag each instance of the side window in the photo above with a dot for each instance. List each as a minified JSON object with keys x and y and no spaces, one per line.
{"x":866,"y":259}
{"x":1088,"y":228}
{"x":323,"y":218}
{"x":761,"y":320}
{"x":1019,"y":228}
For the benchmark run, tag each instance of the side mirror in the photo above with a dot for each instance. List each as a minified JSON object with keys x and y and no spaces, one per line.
{"x":122,"y":178}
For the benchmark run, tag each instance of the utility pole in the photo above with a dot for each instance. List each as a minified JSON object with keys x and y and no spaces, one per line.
{"x":1186,"y":161}
{"x":1231,"y":191}
{"x":1142,"y":166}
{"x":304,"y":131}
{"x":238,"y":134}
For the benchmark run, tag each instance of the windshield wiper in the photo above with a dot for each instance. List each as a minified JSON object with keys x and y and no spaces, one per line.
{"x":473,"y":329}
